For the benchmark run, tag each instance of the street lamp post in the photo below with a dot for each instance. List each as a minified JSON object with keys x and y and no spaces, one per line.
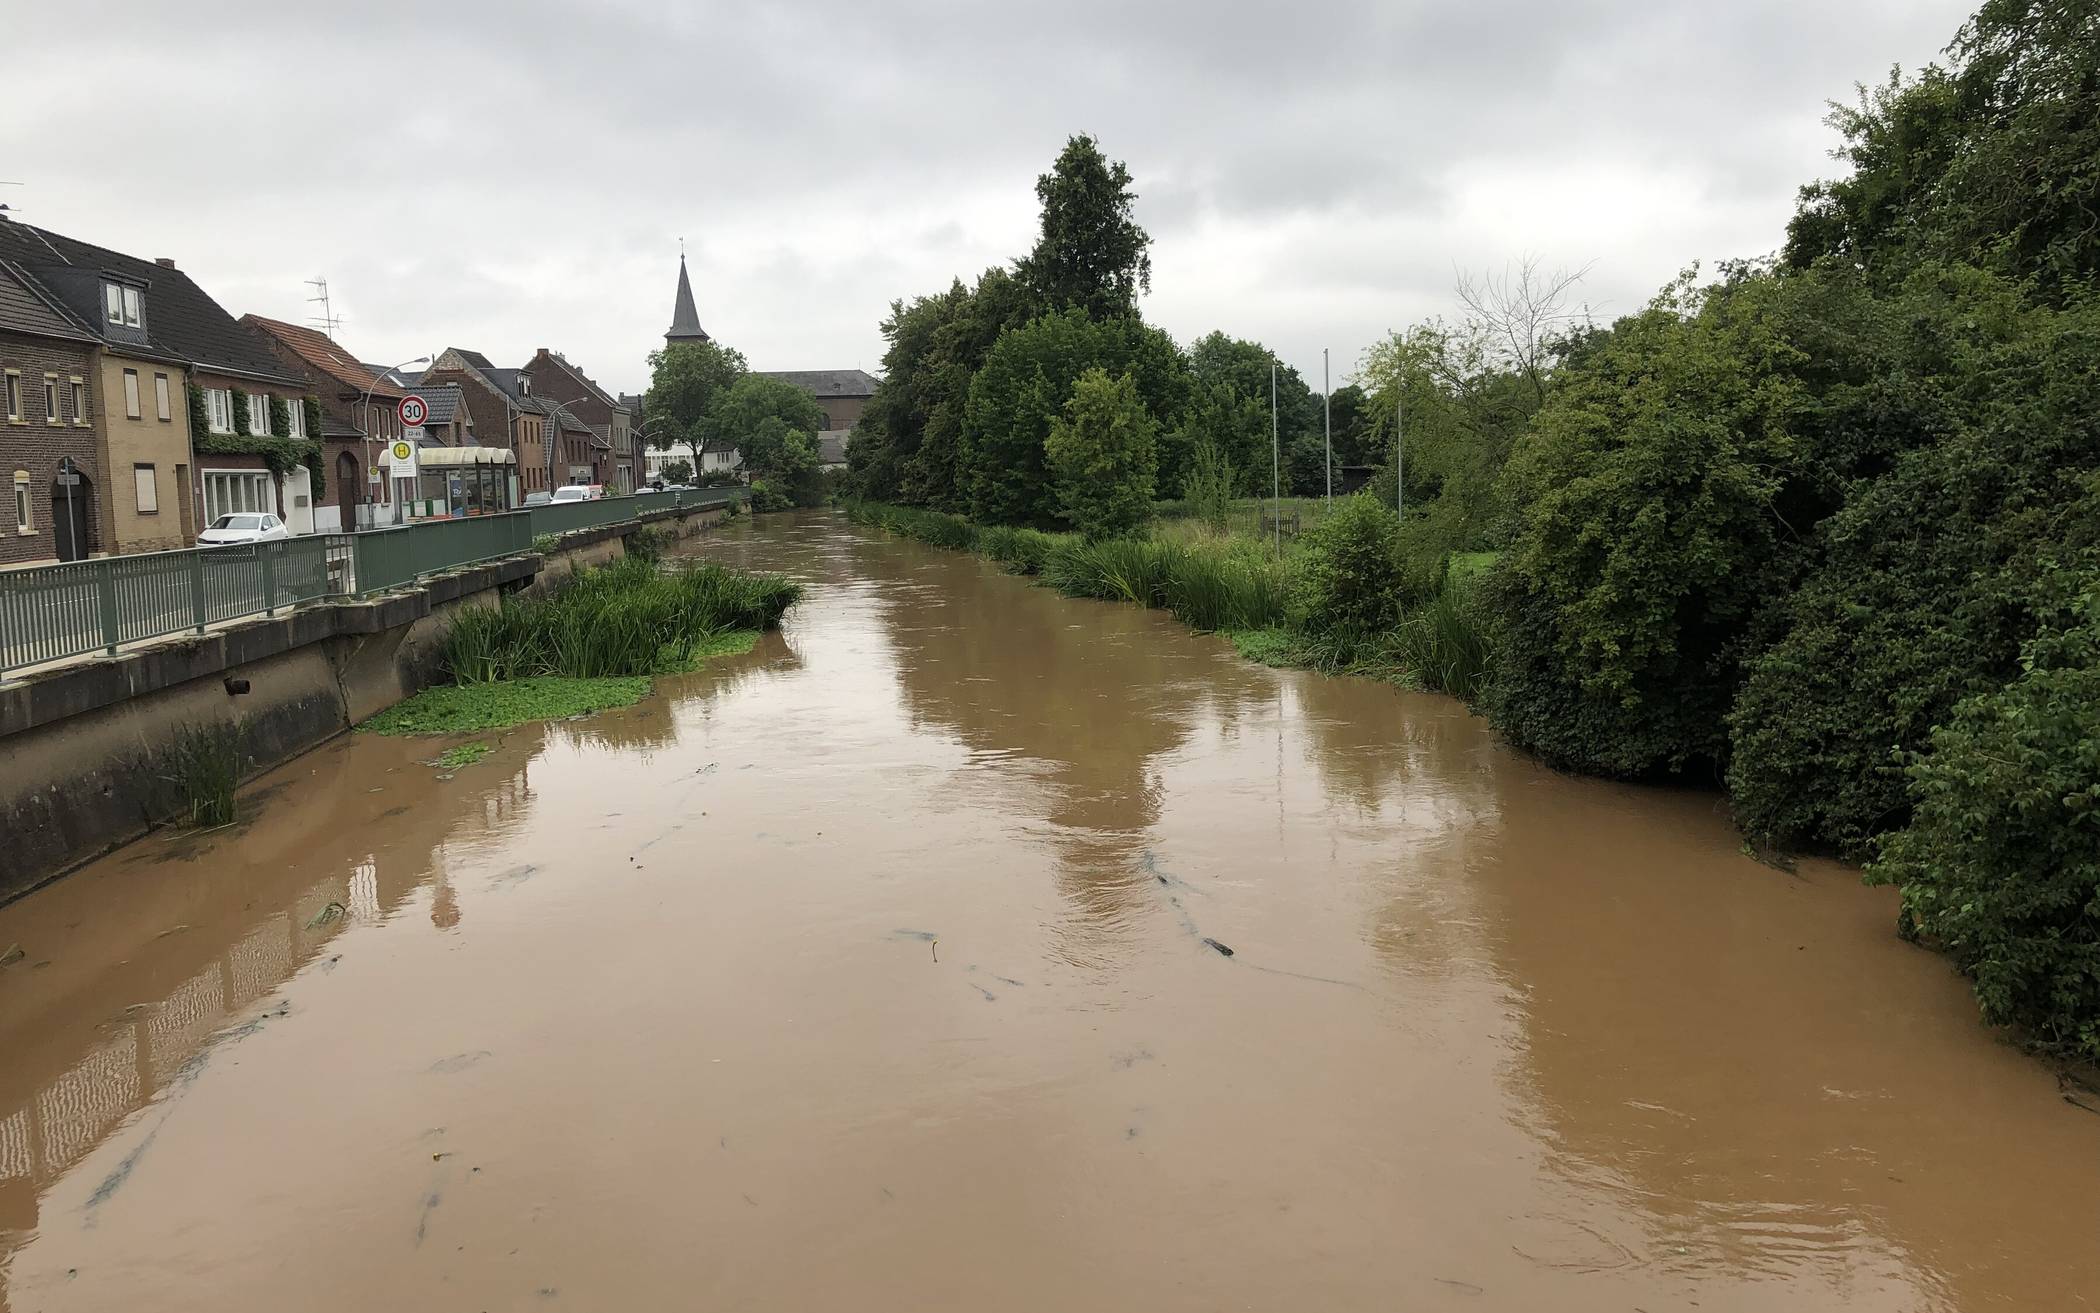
{"x":555,"y":415}
{"x":365,"y":404}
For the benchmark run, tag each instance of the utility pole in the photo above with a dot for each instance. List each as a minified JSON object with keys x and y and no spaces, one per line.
{"x":1275,"y":461}
{"x":1327,"y":418}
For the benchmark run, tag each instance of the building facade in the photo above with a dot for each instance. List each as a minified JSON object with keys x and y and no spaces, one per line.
{"x":48,"y":447}
{"x":611,"y":455}
{"x":358,"y":416}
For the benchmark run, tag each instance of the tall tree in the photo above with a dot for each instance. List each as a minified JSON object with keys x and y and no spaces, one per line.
{"x":685,"y":380}
{"x":1100,"y":456}
{"x":1091,"y":255}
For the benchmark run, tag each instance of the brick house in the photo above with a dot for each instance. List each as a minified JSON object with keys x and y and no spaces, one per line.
{"x":503,"y":410}
{"x":47,"y":398}
{"x":193,"y":400}
{"x":610,"y":454}
{"x":353,"y":399}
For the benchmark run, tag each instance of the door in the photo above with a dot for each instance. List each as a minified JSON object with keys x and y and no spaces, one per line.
{"x":349,"y":481}
{"x":69,"y":517}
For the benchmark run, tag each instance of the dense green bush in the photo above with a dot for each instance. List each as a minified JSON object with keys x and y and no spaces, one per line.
{"x":1924,"y":590}
{"x":1021,"y":551}
{"x":1648,"y":541}
{"x":629,"y":618}
{"x":1347,"y":583}
{"x":2001,"y":863}
{"x":1100,"y":457}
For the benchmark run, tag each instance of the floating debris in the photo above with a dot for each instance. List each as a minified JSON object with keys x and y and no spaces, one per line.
{"x":1212,"y":943}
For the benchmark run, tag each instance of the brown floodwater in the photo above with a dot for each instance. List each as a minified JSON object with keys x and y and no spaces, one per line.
{"x":874,"y":971}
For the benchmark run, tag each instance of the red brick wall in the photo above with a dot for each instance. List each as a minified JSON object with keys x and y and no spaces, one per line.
{"x":36,"y":446}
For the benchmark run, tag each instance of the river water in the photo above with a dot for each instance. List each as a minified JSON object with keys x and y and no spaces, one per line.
{"x":875,"y":970}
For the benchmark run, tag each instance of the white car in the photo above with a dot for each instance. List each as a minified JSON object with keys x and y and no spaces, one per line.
{"x":244,"y":527}
{"x":575,"y":492}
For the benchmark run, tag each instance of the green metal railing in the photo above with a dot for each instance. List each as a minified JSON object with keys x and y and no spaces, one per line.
{"x":48,"y":612}
{"x":389,"y":558}
{"x":53,"y":611}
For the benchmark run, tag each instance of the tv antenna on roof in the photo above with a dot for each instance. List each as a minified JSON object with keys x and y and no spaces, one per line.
{"x":327,"y":321}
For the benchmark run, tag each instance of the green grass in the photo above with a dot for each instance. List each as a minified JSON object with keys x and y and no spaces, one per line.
{"x":464,"y":754}
{"x":727,"y":642}
{"x":471,"y":708}
{"x":1268,"y":647}
{"x":1464,"y":565}
{"x":631,"y":618}
{"x":204,"y":766}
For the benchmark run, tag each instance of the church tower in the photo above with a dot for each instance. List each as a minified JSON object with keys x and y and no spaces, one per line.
{"x":685,"y":320}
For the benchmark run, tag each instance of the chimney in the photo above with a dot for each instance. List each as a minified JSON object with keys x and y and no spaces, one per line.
{"x":164,"y":262}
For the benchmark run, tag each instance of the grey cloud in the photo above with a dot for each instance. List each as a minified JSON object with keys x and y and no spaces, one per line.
{"x":511,"y":175}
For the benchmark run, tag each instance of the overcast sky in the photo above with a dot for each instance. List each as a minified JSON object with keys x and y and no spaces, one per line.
{"x":505,"y":176}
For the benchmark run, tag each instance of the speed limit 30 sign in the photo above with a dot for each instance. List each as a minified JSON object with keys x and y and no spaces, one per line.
{"x":413,"y":412}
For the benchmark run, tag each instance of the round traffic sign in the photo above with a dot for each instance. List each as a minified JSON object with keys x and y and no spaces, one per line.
{"x":402,"y":450}
{"x":413,"y":412}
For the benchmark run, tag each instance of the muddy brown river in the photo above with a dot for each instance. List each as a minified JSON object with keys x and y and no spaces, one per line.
{"x":875,"y":971}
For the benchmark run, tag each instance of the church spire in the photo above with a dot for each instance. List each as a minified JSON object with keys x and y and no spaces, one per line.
{"x":685,"y":320}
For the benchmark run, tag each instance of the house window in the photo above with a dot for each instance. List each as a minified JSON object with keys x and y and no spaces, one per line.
{"x":297,"y":411}
{"x":121,"y":305}
{"x":259,"y":414}
{"x":23,"y":522}
{"x":160,"y":397}
{"x":51,"y":399}
{"x":131,"y":393}
{"x":218,"y":402}
{"x":227,"y":492}
{"x":147,"y":490}
{"x":14,"y":397}
{"x":80,"y":415}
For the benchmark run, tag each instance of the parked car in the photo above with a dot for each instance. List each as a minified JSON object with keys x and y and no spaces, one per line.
{"x":579,"y":492}
{"x":540,"y":498}
{"x":244,"y":527}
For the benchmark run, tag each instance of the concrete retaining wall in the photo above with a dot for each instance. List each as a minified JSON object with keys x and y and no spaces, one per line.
{"x":85,"y":747}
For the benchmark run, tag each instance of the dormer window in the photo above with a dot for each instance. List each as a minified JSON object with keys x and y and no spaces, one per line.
{"x":121,"y":305}
{"x":524,"y":385}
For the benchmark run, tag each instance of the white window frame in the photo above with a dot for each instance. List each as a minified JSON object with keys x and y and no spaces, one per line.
{"x":113,"y":303}
{"x":235,"y":492}
{"x":51,"y":415}
{"x":11,"y":383}
{"x":218,"y":406}
{"x":258,"y":414}
{"x":78,"y":386}
{"x":131,"y":395}
{"x":25,"y":517}
{"x":295,"y":410}
{"x":161,"y":404}
{"x":134,"y":308}
{"x":145,"y":488}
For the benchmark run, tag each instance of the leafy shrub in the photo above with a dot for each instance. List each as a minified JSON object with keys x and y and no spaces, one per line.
{"x":1209,"y":487}
{"x":766,"y":498}
{"x":2001,"y":863}
{"x":204,"y":768}
{"x":1649,"y":540}
{"x":1100,"y":454}
{"x":1217,"y":583}
{"x":1924,"y":593}
{"x":629,"y":618}
{"x":1348,"y":573}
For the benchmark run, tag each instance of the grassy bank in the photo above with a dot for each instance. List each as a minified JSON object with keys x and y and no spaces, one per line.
{"x":593,"y":645}
{"x":1234,"y":584}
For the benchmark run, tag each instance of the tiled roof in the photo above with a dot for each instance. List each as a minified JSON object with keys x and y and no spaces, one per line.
{"x":331,"y":427}
{"x":445,"y":401}
{"x":179,"y":318}
{"x":24,"y":310}
{"x":825,"y":382}
{"x":585,"y":379}
{"x":321,"y":352}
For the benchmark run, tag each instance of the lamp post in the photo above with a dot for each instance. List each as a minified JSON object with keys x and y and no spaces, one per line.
{"x":555,"y":415}
{"x":365,"y":403}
